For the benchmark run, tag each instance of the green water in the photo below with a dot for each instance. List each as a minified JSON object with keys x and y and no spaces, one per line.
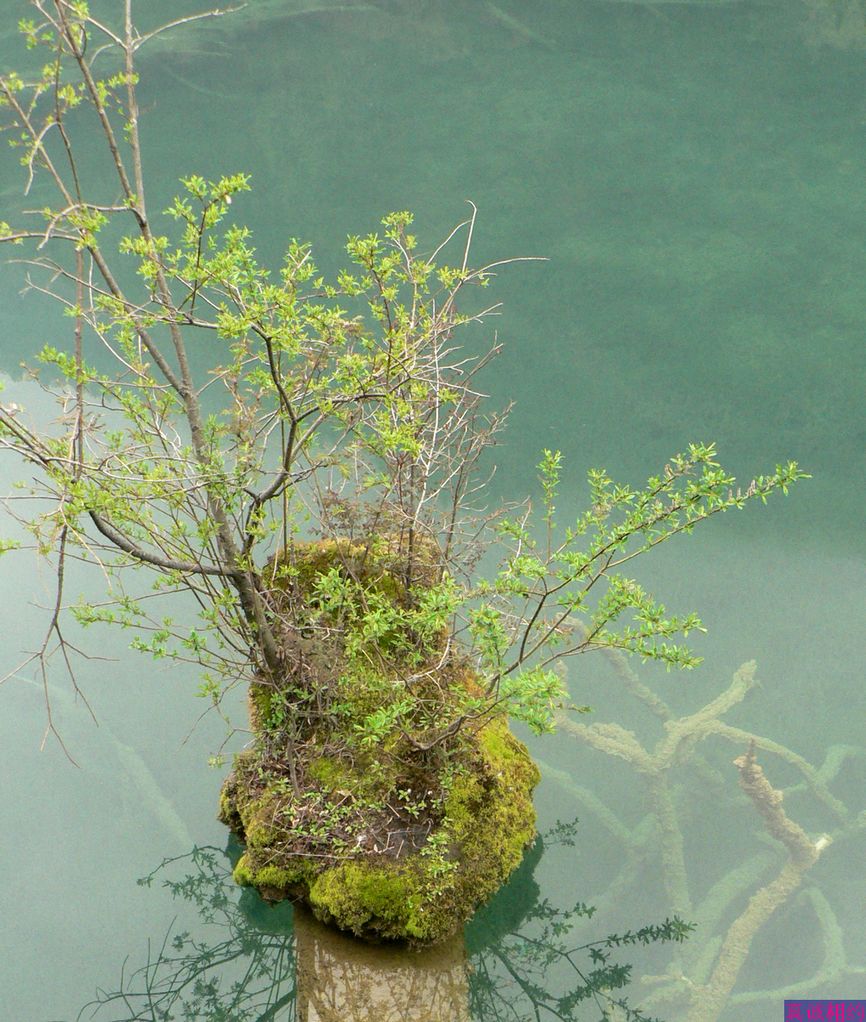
{"x":694,"y":173}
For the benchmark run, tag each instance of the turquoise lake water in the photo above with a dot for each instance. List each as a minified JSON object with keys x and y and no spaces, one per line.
{"x":695,"y":173}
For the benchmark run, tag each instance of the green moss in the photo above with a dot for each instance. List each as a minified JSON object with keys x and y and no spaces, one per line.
{"x":275,"y":881}
{"x":487,"y":823}
{"x":366,"y":778}
{"x":363,"y":897}
{"x":259,"y":705}
{"x":376,"y":566}
{"x":242,"y":873}
{"x":305,"y":562}
{"x":328,"y":771}
{"x":259,"y":819}
{"x":494,"y":827}
{"x":228,"y":813}
{"x":334,"y":774}
{"x":236,"y":795}
{"x":383,"y":901}
{"x":456,"y":817}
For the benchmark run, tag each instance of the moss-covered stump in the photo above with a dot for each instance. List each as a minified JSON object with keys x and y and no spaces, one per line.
{"x":396,"y":885}
{"x":372,"y":791}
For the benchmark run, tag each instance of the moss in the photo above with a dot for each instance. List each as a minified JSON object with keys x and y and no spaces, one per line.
{"x":274,"y":882}
{"x":305,"y":562}
{"x":259,"y":704}
{"x":493,"y":827}
{"x":334,"y":774}
{"x":384,"y":901}
{"x":235,"y":794}
{"x":243,"y":873}
{"x":387,"y":840}
{"x":228,"y":813}
{"x":365,"y":898}
{"x":328,"y":771}
{"x":259,"y":819}
{"x":486,"y":824}
{"x":376,"y":565}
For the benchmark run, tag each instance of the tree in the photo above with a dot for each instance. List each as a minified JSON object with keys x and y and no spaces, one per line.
{"x":305,"y":460}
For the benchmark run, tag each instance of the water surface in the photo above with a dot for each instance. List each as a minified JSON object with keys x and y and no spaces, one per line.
{"x":694,"y":173}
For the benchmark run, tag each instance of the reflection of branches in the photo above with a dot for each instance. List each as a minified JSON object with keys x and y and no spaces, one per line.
{"x":522,"y":962}
{"x":729,"y":917}
{"x":243,"y":974}
{"x":528,"y":967}
{"x":512,"y":978}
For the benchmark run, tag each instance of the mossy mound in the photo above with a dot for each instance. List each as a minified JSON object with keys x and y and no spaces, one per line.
{"x":421,"y":893}
{"x":371,"y":792}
